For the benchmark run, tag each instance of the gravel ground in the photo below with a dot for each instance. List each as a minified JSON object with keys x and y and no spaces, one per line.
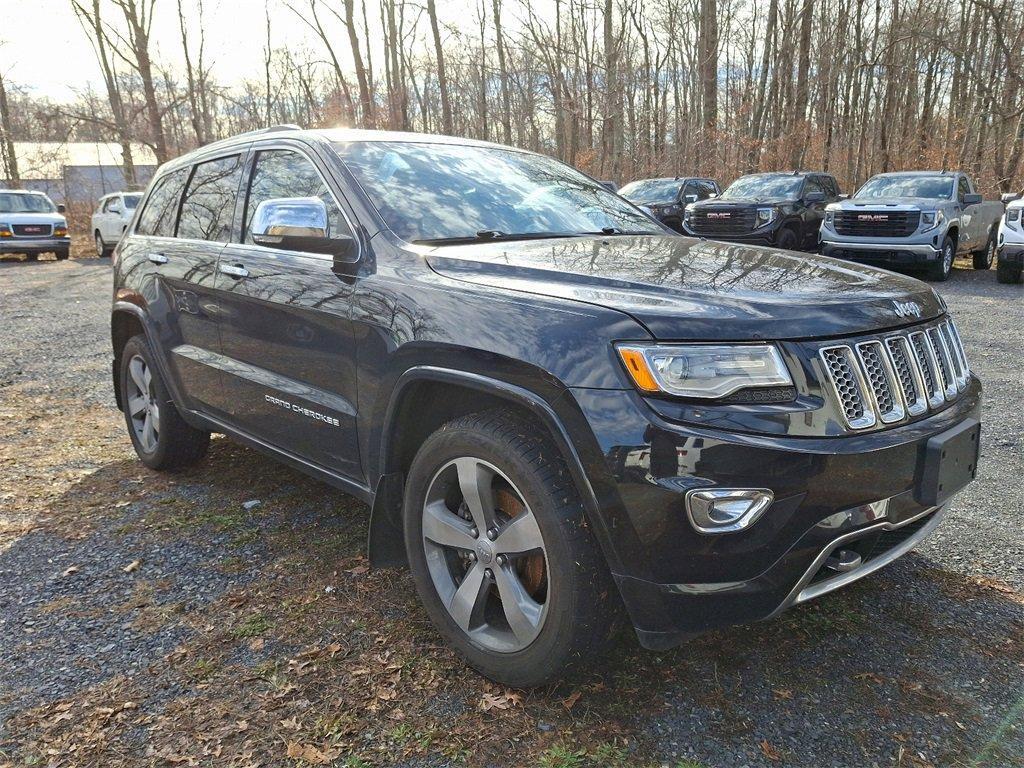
{"x":153,"y":619}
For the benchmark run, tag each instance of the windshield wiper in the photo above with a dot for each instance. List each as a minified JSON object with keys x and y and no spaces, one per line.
{"x":492,"y":235}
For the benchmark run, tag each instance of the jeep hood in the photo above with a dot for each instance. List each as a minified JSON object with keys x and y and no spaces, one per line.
{"x":686,"y":289}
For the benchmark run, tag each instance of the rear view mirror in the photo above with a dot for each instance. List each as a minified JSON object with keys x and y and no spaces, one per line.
{"x":972,"y":198}
{"x":814,"y":197}
{"x":297,"y":224}
{"x":1009,"y":197}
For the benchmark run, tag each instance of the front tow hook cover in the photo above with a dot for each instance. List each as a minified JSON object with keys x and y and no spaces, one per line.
{"x":843,"y":561}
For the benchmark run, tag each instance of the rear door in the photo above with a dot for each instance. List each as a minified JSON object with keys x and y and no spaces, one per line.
{"x":286,"y":332}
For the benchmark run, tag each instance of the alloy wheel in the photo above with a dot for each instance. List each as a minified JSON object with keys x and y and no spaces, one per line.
{"x":99,"y":245}
{"x":990,"y":254}
{"x":486,"y":555}
{"x":947,"y":259}
{"x":142,"y":404}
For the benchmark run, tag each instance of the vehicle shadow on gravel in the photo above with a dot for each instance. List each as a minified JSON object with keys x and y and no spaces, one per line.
{"x":169,"y":618}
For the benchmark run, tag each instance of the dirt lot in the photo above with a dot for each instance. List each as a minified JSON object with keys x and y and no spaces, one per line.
{"x":151,"y":619}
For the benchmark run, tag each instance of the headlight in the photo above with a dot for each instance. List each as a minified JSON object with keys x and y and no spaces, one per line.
{"x":687,"y":214}
{"x":1013,"y":216}
{"x":671,"y":208}
{"x":704,"y":371}
{"x":931,"y":219}
{"x":765,"y":216}
{"x":829,"y":218}
{"x":5,"y":230}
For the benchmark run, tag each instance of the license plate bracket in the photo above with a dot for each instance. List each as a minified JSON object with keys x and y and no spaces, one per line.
{"x":949,"y":462}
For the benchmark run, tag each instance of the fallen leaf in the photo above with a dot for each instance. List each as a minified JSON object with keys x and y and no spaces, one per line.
{"x":770,"y":752}
{"x":311,"y":754}
{"x":69,"y":571}
{"x":570,"y":701}
{"x":499,"y":701}
{"x":256,"y":644}
{"x":782,"y":693}
{"x":132,"y":566}
{"x":358,"y":570}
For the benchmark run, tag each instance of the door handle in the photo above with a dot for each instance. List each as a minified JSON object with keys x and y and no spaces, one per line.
{"x":157,"y":258}
{"x":234,"y":270}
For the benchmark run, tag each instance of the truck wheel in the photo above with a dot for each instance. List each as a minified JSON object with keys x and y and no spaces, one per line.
{"x":983,"y":259}
{"x":162,"y":439}
{"x":1008,"y":273}
{"x":31,"y":257}
{"x":786,"y":240}
{"x":939,"y":271}
{"x":62,"y":254}
{"x":500,"y":553}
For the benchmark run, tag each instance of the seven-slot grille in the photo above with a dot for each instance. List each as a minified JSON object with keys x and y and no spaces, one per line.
{"x":878,"y":223}
{"x":902,"y":375}
{"x":722,"y":221}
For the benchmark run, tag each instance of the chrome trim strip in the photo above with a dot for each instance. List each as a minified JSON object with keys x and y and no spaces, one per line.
{"x":944,"y":363}
{"x":805,"y":591}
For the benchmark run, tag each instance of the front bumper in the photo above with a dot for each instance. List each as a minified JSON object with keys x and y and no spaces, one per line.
{"x":1011,"y":253}
{"x":676,"y":582}
{"x":34,"y":244}
{"x":889,"y":254}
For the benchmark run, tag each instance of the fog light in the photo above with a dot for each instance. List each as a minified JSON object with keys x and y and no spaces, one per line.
{"x":725,"y":510}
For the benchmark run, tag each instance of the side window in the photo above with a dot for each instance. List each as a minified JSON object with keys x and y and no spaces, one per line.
{"x":706,"y":189}
{"x":284,"y":173}
{"x":813,"y":184}
{"x":690,"y":191}
{"x":831,"y":186}
{"x":963,"y":188}
{"x":209,"y":204}
{"x":160,"y":213}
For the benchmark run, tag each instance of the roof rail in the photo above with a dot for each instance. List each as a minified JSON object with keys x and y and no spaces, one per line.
{"x":271,"y":129}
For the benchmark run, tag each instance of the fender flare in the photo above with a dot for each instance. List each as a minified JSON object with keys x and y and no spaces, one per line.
{"x":140,"y":314}
{"x":385,"y":545}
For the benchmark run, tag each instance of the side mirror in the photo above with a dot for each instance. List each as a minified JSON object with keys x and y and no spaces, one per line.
{"x":712,"y":196}
{"x":690,"y":198}
{"x":1009,"y":197}
{"x":114,"y":209}
{"x":61,"y":208}
{"x":611,"y":186}
{"x":842,"y":197}
{"x":298,"y":224}
{"x":814,"y":197}
{"x":972,"y":198}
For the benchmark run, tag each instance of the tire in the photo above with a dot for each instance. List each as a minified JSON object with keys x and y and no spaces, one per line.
{"x":1008,"y":273}
{"x":31,"y":257}
{"x":62,"y":255}
{"x":786,"y":240}
{"x":169,"y":442}
{"x":940,"y":271}
{"x":983,"y":259}
{"x":102,"y":249}
{"x":566,"y":606}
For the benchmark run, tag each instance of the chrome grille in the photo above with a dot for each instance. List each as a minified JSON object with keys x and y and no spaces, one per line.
{"x":908,"y":374}
{"x":882,"y":381}
{"x":903,"y":374}
{"x":849,"y":386}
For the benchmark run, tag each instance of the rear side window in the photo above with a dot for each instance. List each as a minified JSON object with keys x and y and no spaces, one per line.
{"x":281,"y":173}
{"x":161,"y":209}
{"x":963,"y":188}
{"x":209,"y":205}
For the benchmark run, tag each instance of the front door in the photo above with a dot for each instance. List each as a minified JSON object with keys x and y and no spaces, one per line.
{"x":286,"y":332}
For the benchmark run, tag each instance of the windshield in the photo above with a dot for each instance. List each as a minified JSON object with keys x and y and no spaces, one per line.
{"x":432,"y":192}
{"x":20,"y":202}
{"x":934,"y":187}
{"x":652,"y":191}
{"x":132,"y":201}
{"x":767,"y":186}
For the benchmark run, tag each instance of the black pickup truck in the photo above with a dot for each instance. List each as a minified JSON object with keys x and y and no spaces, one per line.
{"x":560,"y":414}
{"x":784,"y":210}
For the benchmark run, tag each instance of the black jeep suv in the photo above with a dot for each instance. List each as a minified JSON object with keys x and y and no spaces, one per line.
{"x":555,"y":411}
{"x":780,"y":209}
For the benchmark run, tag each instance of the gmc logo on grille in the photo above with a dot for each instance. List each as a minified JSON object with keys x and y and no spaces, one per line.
{"x":716,"y":215}
{"x":31,"y":230}
{"x":872,"y":217}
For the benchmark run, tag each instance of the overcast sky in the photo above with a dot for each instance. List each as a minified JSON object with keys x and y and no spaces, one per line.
{"x":52,"y":55}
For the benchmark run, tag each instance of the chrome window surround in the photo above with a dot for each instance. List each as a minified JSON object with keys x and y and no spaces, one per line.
{"x":896,"y":376}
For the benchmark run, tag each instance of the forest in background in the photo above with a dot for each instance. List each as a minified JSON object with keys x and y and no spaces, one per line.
{"x":620,"y":89}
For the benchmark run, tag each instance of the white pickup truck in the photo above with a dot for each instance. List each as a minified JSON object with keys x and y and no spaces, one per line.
{"x":31,"y":224}
{"x":1010,"y":262}
{"x":110,"y":219}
